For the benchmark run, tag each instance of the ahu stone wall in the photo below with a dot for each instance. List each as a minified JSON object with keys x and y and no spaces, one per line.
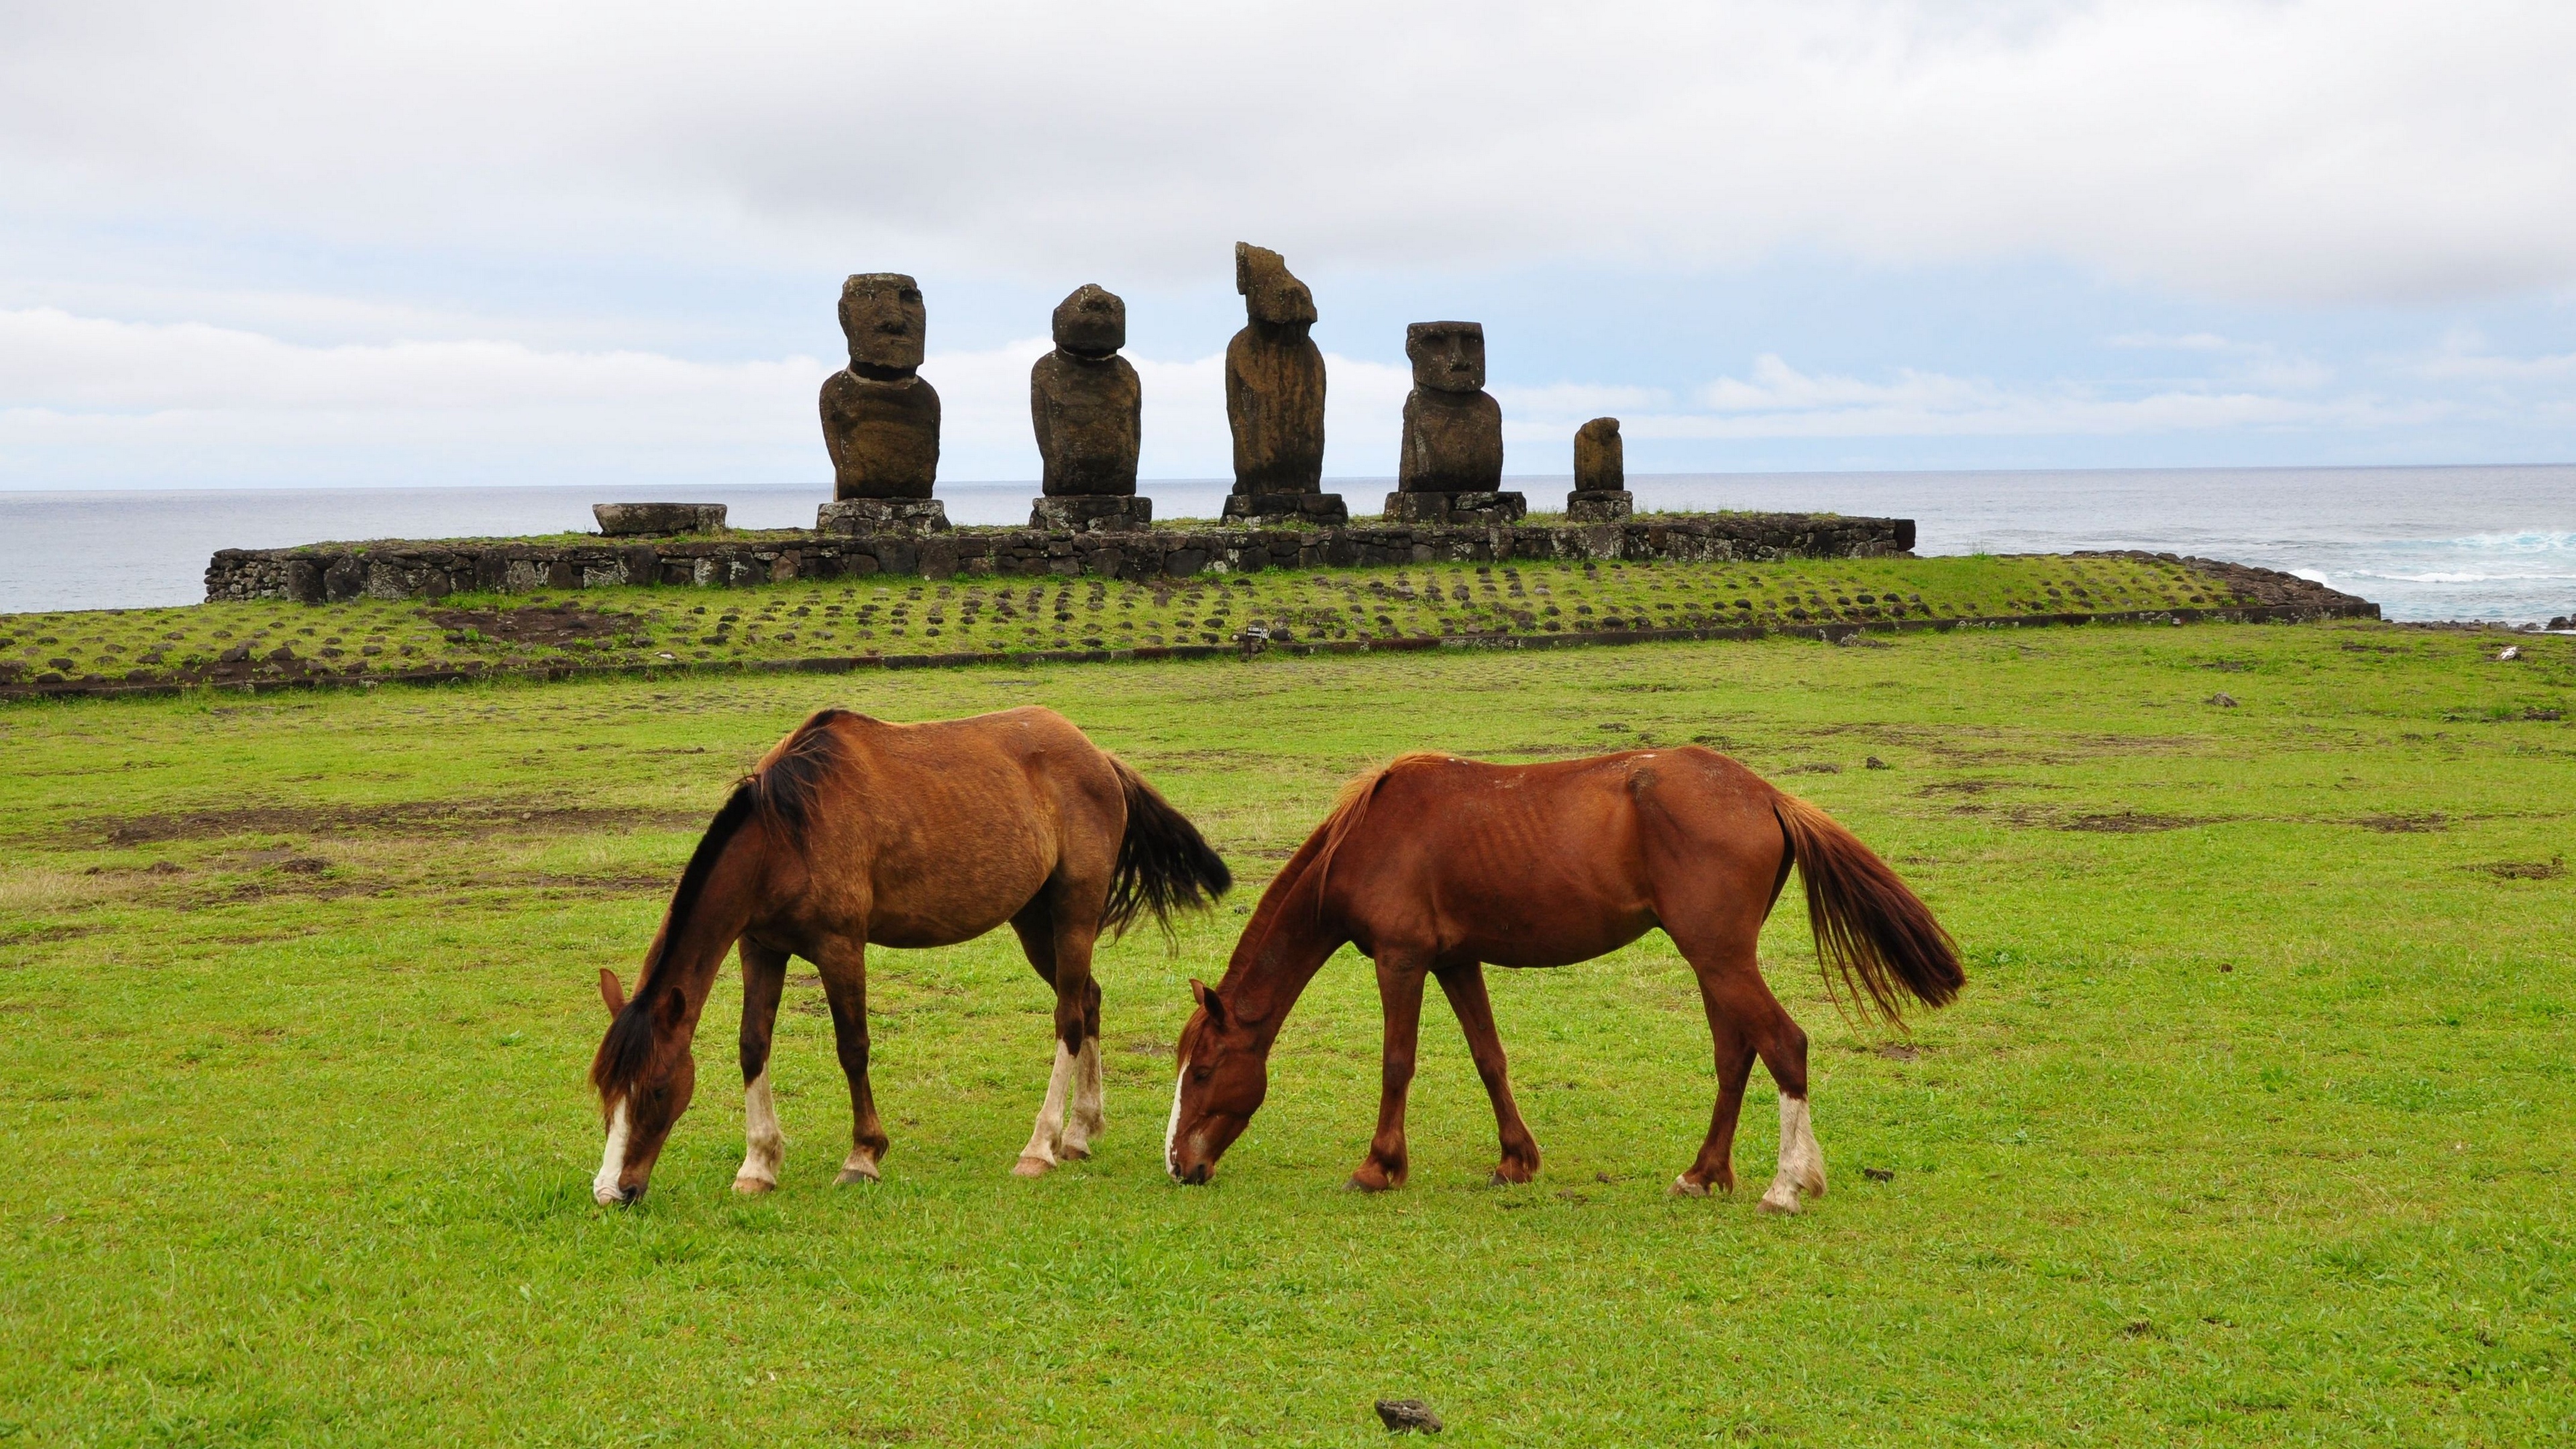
{"x":318,"y":573}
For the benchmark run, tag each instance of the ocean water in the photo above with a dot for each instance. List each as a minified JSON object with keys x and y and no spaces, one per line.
{"x":2494,"y":543}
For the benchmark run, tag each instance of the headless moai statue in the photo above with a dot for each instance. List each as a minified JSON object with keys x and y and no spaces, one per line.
{"x":1600,"y":474}
{"x":1452,"y":464}
{"x":1274,"y":398}
{"x":880,"y":419}
{"x":1088,"y":409}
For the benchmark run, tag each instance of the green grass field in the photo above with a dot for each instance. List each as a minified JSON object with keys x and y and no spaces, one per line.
{"x":2252,"y":1126}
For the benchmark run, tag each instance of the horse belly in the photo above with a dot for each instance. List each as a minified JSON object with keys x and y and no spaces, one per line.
{"x":1553,"y":922}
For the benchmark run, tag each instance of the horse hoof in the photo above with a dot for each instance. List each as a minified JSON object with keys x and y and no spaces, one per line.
{"x":1073,"y":1152}
{"x":753,"y":1186}
{"x":1362,"y":1184}
{"x":1783,"y":1203}
{"x":855,"y":1174}
{"x":1684,"y":1187}
{"x":1031,"y":1167}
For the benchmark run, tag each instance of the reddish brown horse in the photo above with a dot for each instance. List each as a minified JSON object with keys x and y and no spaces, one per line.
{"x":1435,"y":866}
{"x":853,"y":831}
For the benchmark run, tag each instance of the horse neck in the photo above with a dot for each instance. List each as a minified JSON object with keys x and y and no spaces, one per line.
{"x":1290,"y":941}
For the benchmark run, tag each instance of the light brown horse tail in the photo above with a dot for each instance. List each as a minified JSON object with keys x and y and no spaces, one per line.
{"x":1164,"y":864}
{"x":779,"y":794}
{"x":1872,"y":934}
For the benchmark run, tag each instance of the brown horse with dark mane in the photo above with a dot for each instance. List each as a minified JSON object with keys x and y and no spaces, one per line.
{"x":854,"y":831}
{"x":1436,"y":866}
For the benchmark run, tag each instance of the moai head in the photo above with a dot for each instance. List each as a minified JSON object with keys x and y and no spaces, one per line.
{"x":1447,"y":356}
{"x":1091,"y":322}
{"x":881,"y":315}
{"x":1270,"y":294}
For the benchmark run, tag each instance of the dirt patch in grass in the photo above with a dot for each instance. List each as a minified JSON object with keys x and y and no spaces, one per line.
{"x":2404,"y":824}
{"x":2550,"y":869}
{"x":424,"y":817}
{"x":539,"y":625}
{"x":2131,"y":822}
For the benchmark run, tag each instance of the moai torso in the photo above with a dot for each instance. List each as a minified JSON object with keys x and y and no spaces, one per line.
{"x":1086,"y":401}
{"x":1274,"y":380}
{"x":1600,"y":462}
{"x":880,"y":419}
{"x":1453,"y":429}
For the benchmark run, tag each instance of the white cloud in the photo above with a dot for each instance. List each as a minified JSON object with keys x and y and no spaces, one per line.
{"x":2383,"y":150}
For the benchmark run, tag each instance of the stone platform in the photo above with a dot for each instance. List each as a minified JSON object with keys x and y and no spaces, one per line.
{"x":396,"y":569}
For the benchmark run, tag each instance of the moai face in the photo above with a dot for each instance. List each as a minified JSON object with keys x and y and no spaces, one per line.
{"x":881,"y":315}
{"x":1090,"y":322}
{"x":1447,"y":356}
{"x":1270,"y":294}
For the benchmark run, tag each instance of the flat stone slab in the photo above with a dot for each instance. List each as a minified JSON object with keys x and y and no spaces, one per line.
{"x":1286,"y":510}
{"x":633,"y":520}
{"x":1599,"y":505}
{"x":1457,"y":508}
{"x":864,"y":516}
{"x":1092,"y":515}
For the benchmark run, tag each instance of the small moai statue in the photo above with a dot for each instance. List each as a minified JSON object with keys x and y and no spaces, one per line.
{"x":1600,"y":475}
{"x":1451,"y":470}
{"x":880,"y":419}
{"x":1088,"y":409}
{"x":1274,"y":399}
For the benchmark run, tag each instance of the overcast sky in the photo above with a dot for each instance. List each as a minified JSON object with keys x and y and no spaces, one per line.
{"x":357,"y":243}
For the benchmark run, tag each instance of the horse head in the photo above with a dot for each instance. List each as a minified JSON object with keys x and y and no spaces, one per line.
{"x":1224,"y":1074}
{"x":645,"y":1073}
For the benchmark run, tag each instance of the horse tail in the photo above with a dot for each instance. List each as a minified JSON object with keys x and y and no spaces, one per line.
{"x":779,"y":793}
{"x":1872,"y":934}
{"x":1164,"y":864}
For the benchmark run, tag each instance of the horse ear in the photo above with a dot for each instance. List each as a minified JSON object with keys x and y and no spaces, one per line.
{"x":611,"y":992}
{"x":1208,"y":1001}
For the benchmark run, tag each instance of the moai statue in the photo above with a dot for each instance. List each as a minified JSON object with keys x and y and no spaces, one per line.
{"x":1274,"y":398}
{"x":1088,"y":409}
{"x":880,"y":419}
{"x":1600,"y":475}
{"x":1452,"y":466}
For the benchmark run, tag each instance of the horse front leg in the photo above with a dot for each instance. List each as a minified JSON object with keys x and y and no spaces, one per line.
{"x":764,"y":1149}
{"x":1399,"y":993}
{"x":844,"y":968}
{"x":1464,"y":985}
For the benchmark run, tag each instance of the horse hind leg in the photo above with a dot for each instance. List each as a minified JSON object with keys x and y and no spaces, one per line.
{"x":764,"y":978}
{"x":1059,"y":948}
{"x":1087,"y":1116}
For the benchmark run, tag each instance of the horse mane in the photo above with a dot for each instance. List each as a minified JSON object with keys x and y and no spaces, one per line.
{"x":1350,"y":807}
{"x":779,"y":794}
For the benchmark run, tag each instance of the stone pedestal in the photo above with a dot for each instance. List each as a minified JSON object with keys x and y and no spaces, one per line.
{"x":1456,"y":509}
{"x":1599,"y":505}
{"x":882,"y":515}
{"x":1287,"y":510}
{"x":1092,"y":515}
{"x":624,"y":520}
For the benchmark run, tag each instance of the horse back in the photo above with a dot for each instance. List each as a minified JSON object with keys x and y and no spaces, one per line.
{"x":1550,"y":863}
{"x":939,"y":831}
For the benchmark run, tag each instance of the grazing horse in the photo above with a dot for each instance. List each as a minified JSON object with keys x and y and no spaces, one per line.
{"x":854,"y":831}
{"x":1435,"y":866}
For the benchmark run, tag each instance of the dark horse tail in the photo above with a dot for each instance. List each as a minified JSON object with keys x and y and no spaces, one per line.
{"x":1871,"y":932}
{"x":779,"y":794}
{"x":1164,"y":864}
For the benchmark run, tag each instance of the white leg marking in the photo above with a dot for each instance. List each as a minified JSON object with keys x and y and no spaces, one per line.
{"x":1048,"y":1136}
{"x":1084,"y":1121}
{"x":612,"y":1162}
{"x":1172,"y":1129}
{"x":763,"y":1147}
{"x":1802,"y":1162}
